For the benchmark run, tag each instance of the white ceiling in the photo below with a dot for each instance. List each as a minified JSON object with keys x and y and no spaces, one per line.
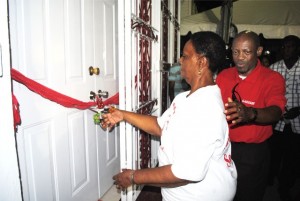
{"x":273,"y":18}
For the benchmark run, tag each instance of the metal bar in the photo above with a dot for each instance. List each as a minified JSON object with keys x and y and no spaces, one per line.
{"x":145,"y":104}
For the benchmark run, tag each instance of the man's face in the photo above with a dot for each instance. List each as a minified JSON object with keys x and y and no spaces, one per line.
{"x":244,"y":54}
{"x":289,"y":50}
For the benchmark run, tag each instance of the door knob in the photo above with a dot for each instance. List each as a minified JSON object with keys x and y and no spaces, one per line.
{"x":93,"y":70}
{"x":92,"y":95}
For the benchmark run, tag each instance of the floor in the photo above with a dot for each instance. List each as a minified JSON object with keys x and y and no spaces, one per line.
{"x":153,"y":194}
{"x":112,"y":195}
{"x":271,"y":193}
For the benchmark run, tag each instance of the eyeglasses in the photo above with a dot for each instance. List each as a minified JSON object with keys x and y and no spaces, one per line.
{"x":235,"y":95}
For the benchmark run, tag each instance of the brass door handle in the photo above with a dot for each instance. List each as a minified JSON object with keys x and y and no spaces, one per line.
{"x":93,"y":70}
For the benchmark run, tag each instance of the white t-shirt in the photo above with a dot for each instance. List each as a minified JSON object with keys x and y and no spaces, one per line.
{"x":195,"y":141}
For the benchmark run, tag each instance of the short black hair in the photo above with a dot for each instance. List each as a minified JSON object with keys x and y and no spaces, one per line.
{"x":250,"y":34}
{"x":291,"y":38}
{"x":212,"y":46}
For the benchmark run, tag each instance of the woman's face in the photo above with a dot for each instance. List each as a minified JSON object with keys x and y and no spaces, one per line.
{"x":188,"y":62}
{"x":244,"y":54}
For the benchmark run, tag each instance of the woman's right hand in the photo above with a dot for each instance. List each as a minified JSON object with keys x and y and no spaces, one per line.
{"x":109,"y":120}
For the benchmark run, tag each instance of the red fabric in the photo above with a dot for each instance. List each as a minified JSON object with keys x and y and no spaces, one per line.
{"x":16,"y":112}
{"x":50,"y":94}
{"x":262,"y":88}
{"x":55,"y":96}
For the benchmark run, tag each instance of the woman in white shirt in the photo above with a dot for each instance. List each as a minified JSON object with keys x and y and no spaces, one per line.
{"x":195,"y":153}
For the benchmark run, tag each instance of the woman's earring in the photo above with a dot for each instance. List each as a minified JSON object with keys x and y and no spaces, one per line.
{"x":199,"y":72}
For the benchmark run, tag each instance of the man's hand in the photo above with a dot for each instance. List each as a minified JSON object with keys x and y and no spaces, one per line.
{"x":237,"y":112}
{"x":292,"y":113}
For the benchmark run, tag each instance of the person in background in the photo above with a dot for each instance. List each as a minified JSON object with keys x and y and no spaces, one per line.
{"x":254,"y":99}
{"x":195,"y":152}
{"x":175,"y":86}
{"x":265,"y":61}
{"x":285,"y":142}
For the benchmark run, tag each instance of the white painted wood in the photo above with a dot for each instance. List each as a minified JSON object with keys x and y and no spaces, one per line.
{"x":106,"y":57}
{"x":156,"y":75}
{"x":63,"y":155}
{"x":9,"y":174}
{"x":126,"y":129}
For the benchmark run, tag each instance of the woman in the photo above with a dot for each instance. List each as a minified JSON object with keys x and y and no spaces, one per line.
{"x":195,"y":155}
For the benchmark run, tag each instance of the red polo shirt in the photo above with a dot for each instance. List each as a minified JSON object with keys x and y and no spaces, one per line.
{"x":263,"y":87}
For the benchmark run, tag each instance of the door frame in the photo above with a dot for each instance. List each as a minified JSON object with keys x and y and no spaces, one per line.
{"x":129,"y":141}
{"x":9,"y":175}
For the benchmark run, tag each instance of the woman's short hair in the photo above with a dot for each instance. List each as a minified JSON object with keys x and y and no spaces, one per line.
{"x":212,"y":46}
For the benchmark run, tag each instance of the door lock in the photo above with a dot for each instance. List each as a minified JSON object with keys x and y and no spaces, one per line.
{"x":92,"y":95}
{"x":101,"y":94}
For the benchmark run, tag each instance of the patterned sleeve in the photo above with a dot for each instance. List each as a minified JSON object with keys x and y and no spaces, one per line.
{"x":275,"y":91}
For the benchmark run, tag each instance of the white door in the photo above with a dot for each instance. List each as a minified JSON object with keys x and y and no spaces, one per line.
{"x":105,"y":47}
{"x":62,"y":154}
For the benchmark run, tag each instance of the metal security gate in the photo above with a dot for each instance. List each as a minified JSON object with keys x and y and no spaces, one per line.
{"x":141,"y":86}
{"x":170,"y":44}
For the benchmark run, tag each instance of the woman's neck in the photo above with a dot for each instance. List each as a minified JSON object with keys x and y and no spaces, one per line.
{"x":203,"y":82}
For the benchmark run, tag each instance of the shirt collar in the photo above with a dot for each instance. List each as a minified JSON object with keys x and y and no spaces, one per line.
{"x":254,"y":74}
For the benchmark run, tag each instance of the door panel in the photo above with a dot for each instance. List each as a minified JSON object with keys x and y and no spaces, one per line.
{"x":106,"y":60}
{"x":73,"y":41}
{"x":38,"y":150}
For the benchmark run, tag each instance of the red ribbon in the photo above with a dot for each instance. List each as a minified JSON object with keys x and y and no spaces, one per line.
{"x":16,"y":112}
{"x":55,"y":96}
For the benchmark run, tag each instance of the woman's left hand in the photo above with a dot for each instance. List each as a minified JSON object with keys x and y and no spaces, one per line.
{"x":123,"y":180}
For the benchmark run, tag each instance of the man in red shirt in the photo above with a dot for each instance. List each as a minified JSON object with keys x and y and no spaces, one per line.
{"x":254,"y":98}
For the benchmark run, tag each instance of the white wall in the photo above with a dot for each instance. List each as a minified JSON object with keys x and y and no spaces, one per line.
{"x":9,"y":174}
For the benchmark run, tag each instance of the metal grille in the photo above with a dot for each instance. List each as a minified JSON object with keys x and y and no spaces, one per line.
{"x":141,"y":25}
